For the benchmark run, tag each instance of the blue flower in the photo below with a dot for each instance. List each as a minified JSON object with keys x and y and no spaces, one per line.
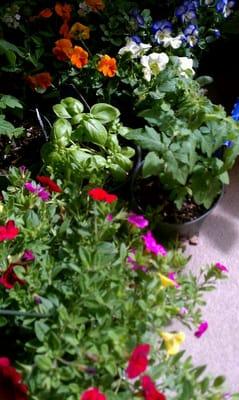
{"x":162,"y":29}
{"x":225,"y":7}
{"x":187,"y":11}
{"x":138,"y":17}
{"x":191,"y":35}
{"x":136,"y":39}
{"x":235,"y":111}
{"x":216,"y":33}
{"x":228,"y":143}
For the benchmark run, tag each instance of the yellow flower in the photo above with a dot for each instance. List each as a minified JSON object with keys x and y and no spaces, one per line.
{"x":80,"y":31}
{"x":166,"y":282}
{"x":172,"y":341}
{"x":1,"y":208}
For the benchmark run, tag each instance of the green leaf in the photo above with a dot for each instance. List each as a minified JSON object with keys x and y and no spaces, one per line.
{"x":41,"y":329}
{"x":43,"y":362}
{"x":72,"y":106}
{"x":147,"y":138}
{"x":62,"y":132}
{"x":95,"y":132}
{"x":61,"y":111}
{"x":152,"y":165}
{"x":105,"y":113}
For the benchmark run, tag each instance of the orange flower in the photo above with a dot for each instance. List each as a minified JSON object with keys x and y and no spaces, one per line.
{"x":79,"y":57}
{"x":80,"y":31}
{"x":46,"y":13}
{"x":64,"y":30}
{"x":42,"y":80}
{"x":96,"y":5}
{"x":63,"y":49}
{"x":64,"y":11}
{"x":107,"y":65}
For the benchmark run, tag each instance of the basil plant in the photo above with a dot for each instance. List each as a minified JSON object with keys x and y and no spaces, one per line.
{"x":83,"y":144}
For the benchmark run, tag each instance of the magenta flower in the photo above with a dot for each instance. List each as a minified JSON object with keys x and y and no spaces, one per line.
{"x":221,"y":267}
{"x":201,"y":329}
{"x":109,"y":217}
{"x":135,"y":266}
{"x":152,"y":246}
{"x":172,"y":276}
{"x":38,"y":190}
{"x":23,"y":170}
{"x":28,"y":256}
{"x":183,"y":311}
{"x":137,"y":220}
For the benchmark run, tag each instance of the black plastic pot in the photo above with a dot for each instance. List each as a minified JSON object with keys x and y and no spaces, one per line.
{"x":172,"y":230}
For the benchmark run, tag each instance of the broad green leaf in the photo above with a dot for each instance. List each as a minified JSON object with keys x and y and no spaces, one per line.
{"x":105,"y":113}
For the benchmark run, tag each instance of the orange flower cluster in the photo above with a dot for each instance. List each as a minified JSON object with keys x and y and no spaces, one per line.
{"x":42,"y":80}
{"x":95,"y":5}
{"x":65,"y":51}
{"x":107,"y":66}
{"x":64,"y":11}
{"x":80,"y":31}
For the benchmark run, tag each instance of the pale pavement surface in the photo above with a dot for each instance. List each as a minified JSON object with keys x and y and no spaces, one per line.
{"x":219,"y":242}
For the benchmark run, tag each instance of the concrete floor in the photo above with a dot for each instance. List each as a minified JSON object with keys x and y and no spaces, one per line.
{"x":219,"y":242}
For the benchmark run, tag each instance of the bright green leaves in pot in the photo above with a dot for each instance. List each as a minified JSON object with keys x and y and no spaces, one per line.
{"x":95,"y":132}
{"x":105,"y":113}
{"x":62,"y":132}
{"x":68,"y":108}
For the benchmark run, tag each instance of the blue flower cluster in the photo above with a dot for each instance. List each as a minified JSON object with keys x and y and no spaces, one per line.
{"x":235,"y":111}
{"x":225,"y":7}
{"x":187,"y":12}
{"x":161,"y":29}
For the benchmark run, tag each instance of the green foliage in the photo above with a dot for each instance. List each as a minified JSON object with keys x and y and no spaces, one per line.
{"x":6,"y":127}
{"x":87,"y":144}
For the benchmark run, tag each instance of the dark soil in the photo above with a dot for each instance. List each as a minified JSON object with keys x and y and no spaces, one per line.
{"x":24,"y":150}
{"x":150,"y":195}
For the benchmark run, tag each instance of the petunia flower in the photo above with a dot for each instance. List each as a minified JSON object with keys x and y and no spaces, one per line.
{"x":138,"y":361}
{"x":92,"y":394}
{"x":11,"y":384}
{"x":201,"y":329}
{"x":150,"y":391}
{"x":109,"y":217}
{"x":107,"y":66}
{"x":28,"y":256}
{"x":221,"y":267}
{"x":8,"y":231}
{"x":9,"y":278}
{"x":166,"y":282}
{"x":100,"y":194}
{"x":49,"y":183}
{"x":38,"y":190}
{"x":137,"y":220}
{"x":172,"y":341}
{"x":152,"y":246}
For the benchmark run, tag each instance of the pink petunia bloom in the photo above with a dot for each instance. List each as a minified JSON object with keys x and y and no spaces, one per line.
{"x":8,"y":231}
{"x":32,"y":187}
{"x":92,"y":394}
{"x":172,"y":276}
{"x":221,"y":267}
{"x":109,"y":217}
{"x":137,"y":220}
{"x":8,"y":279}
{"x":152,"y":246}
{"x":28,"y":256}
{"x":201,"y":329}
{"x":43,"y":194}
{"x":150,"y":391}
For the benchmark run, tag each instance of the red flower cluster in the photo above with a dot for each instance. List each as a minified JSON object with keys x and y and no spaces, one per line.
{"x":11,"y":386}
{"x":8,"y":231}
{"x":49,"y":183}
{"x":9,"y":278}
{"x":100,"y":194}
{"x":138,"y":361}
{"x":93,"y":394}
{"x":149,"y":389}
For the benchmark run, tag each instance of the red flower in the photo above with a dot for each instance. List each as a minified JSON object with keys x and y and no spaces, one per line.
{"x":100,"y":194}
{"x":49,"y":183}
{"x":8,"y":231}
{"x":149,"y":389}
{"x":11,"y":386}
{"x":42,"y":80}
{"x":138,"y":361}
{"x":9,"y":278}
{"x":93,"y":394}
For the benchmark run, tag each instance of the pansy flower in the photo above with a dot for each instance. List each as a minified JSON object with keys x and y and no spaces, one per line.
{"x":63,"y":49}
{"x":107,"y":66}
{"x":79,"y":31}
{"x":95,"y":5}
{"x":43,"y":80}
{"x":225,"y":7}
{"x":191,"y":34}
{"x":79,"y":57}
{"x":187,"y":11}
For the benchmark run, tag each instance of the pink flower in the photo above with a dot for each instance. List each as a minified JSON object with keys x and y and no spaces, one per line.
{"x":201,"y":329}
{"x":138,"y":361}
{"x":183,"y":311}
{"x":152,"y":246}
{"x":38,"y":190}
{"x":221,"y":267}
{"x":92,"y":394}
{"x":172,"y":276}
{"x":137,"y":220}
{"x":135,"y":266}
{"x":109,"y":217}
{"x":150,"y":391}
{"x":28,"y":256}
{"x":8,"y":231}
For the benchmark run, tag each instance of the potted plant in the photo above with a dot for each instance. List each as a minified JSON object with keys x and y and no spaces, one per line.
{"x":182,"y":173}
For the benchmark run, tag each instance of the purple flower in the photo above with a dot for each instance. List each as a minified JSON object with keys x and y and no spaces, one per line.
{"x":30,"y":186}
{"x":28,"y":256}
{"x":43,"y":194}
{"x":221,"y":267}
{"x":183,"y":311}
{"x":37,"y":300}
{"x":135,"y":266}
{"x":23,"y":170}
{"x":172,"y":276}
{"x":235,"y":111}
{"x":136,"y":39}
{"x":137,"y":220}
{"x":191,"y":34}
{"x":109,"y":217}
{"x":38,"y":190}
{"x":152,"y":246}
{"x":201,"y":329}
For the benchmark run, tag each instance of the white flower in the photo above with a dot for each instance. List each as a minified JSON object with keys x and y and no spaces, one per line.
{"x":153,"y":64}
{"x":185,"y":66}
{"x":136,"y":50}
{"x":174,"y":42}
